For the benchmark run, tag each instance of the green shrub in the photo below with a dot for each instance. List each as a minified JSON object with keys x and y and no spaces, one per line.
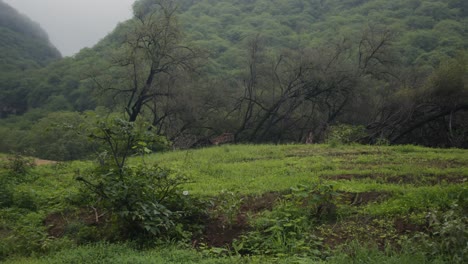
{"x":345,"y":134}
{"x":225,"y":207}
{"x":147,"y":200}
{"x":287,"y":229}
{"x":6,"y":193}
{"x":447,"y":236}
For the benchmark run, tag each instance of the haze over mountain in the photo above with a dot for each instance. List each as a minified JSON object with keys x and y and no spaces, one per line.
{"x":75,"y":24}
{"x":23,"y":43}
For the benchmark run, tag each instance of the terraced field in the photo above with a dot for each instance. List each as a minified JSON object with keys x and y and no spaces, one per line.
{"x":265,"y":203}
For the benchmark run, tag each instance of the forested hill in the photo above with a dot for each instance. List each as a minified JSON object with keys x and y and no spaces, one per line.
{"x":23,"y":43}
{"x":428,"y":31}
{"x":24,"y":46}
{"x":266,"y":70}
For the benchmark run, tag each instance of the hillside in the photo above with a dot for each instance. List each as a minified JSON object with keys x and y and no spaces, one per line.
{"x":252,"y":204}
{"x":395,"y":71}
{"x":428,"y":31}
{"x":24,"y":46}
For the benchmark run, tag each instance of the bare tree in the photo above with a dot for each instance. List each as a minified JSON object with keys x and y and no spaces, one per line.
{"x":150,"y":58}
{"x":302,"y":92}
{"x":435,"y":111}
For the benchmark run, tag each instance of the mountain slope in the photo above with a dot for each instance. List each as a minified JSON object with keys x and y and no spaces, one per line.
{"x":425,"y":37}
{"x":22,"y":41}
{"x":24,"y":45}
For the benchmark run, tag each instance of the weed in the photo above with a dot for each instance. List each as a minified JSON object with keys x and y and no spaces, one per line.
{"x":286,"y":229}
{"x":448,"y":235}
{"x":225,"y":207}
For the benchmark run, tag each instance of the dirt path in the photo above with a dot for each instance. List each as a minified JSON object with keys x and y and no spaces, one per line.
{"x":40,"y":162}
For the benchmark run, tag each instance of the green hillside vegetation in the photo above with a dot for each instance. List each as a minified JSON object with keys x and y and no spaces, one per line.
{"x":312,"y":103}
{"x":24,"y":46}
{"x":24,"y":43}
{"x":257,"y":203}
{"x":396,"y":70}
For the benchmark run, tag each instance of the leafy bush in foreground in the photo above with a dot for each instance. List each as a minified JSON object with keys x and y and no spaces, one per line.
{"x":147,"y":201}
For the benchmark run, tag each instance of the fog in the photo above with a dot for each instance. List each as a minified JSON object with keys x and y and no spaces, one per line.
{"x":75,"y":24}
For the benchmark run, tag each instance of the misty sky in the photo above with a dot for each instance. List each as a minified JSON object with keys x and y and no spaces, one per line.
{"x":75,"y":24}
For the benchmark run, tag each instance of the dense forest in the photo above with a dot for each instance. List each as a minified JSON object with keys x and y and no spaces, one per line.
{"x":369,"y":71}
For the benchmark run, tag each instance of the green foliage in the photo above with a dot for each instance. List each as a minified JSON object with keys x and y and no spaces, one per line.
{"x":448,"y":235}
{"x":24,"y":47}
{"x":140,"y":196}
{"x":225,"y":208}
{"x":286,"y":229}
{"x":6,"y":192}
{"x":19,"y":164}
{"x":345,"y":134}
{"x":402,"y":184}
{"x":424,"y":34}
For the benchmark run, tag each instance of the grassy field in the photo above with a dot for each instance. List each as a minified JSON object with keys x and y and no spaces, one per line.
{"x":284,"y":204}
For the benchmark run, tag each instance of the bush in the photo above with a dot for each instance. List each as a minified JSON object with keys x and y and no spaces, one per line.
{"x":447,"y":237}
{"x":286,"y":230}
{"x":6,"y":192}
{"x":147,"y":200}
{"x":345,"y":134}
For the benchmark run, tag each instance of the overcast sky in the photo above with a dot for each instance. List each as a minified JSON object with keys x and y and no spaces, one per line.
{"x":75,"y":24}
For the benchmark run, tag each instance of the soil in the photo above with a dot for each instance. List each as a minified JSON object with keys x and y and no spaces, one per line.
{"x":425,"y":180}
{"x":403,"y":226}
{"x":363,"y":198}
{"x":40,"y":162}
{"x":57,"y":223}
{"x":401,"y":179}
{"x":256,"y":204}
{"x":366,"y":230}
{"x":218,"y":234}
{"x":346,"y":177}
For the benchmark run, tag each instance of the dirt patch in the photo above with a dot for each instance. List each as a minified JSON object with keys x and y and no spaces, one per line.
{"x":442,"y":164}
{"x":363,"y":229}
{"x":4,"y":232}
{"x":401,"y":179}
{"x":57,"y":223}
{"x":41,"y":162}
{"x":346,"y":177}
{"x":450,"y":179}
{"x":425,"y":179}
{"x":363,"y":198}
{"x":259,"y":203}
{"x":369,"y":231}
{"x":403,"y":226}
{"x":220,"y":232}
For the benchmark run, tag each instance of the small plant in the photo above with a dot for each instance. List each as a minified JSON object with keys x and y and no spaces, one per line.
{"x":382,"y":141}
{"x":226,"y":207}
{"x":345,"y":134}
{"x":448,"y":235}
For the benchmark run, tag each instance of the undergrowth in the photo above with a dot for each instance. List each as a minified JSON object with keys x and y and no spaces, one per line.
{"x":345,"y":204}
